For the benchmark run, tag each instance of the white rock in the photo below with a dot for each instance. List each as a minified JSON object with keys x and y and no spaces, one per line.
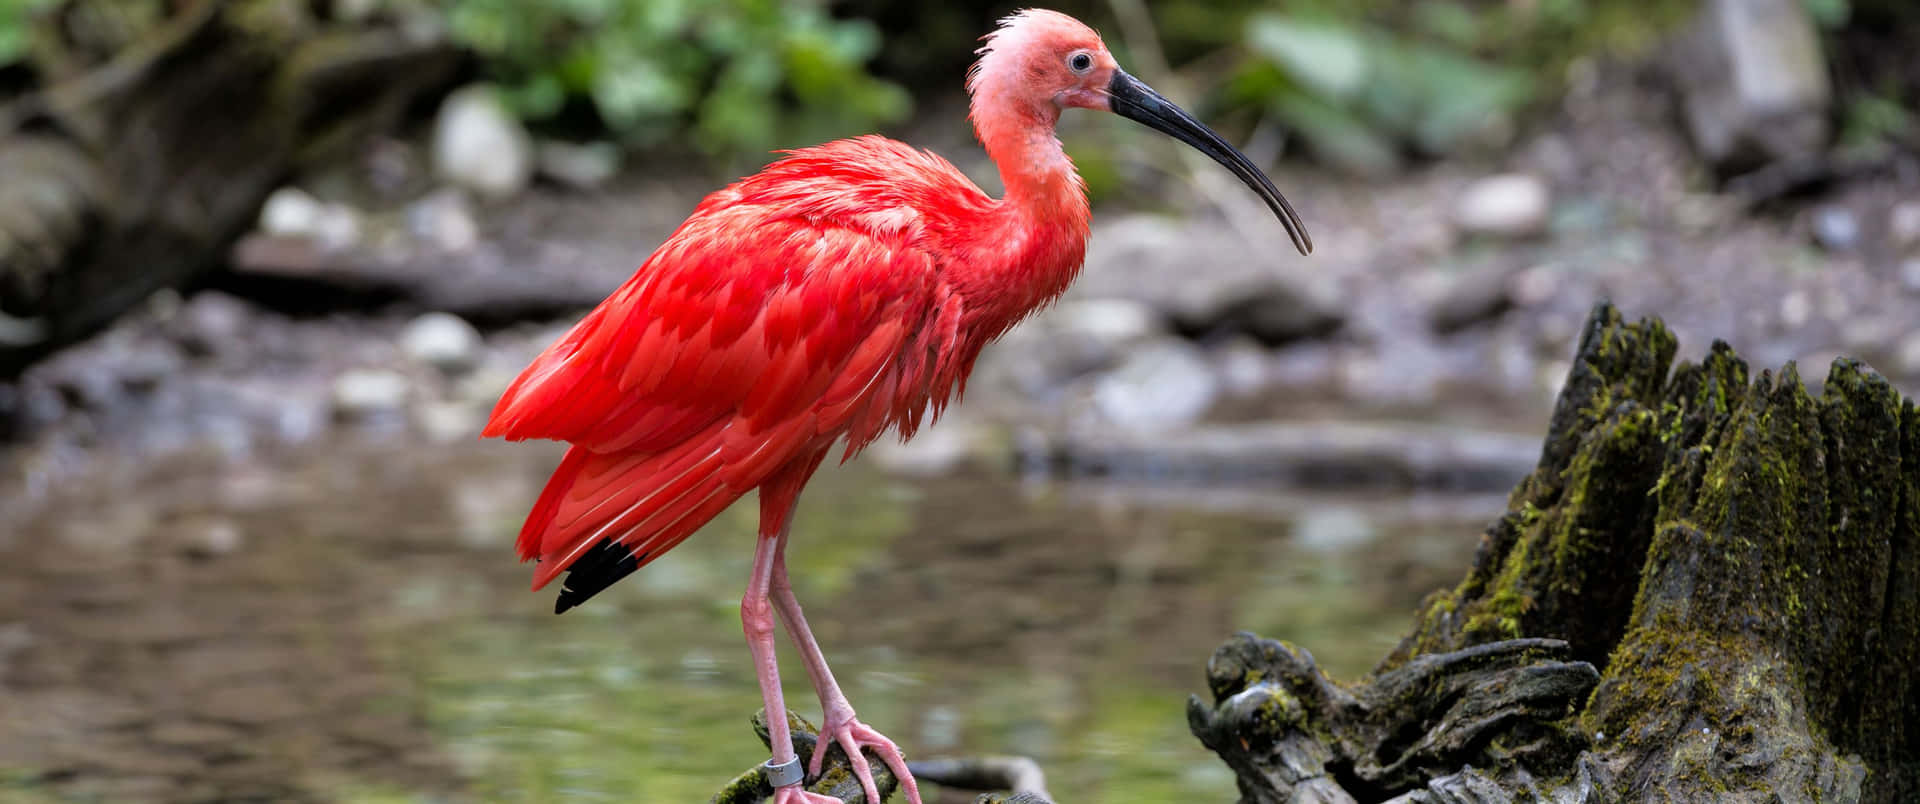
{"x":1903,"y":225}
{"x":291,"y":211}
{"x":446,"y":422}
{"x":1836,"y":228}
{"x":444,"y":218}
{"x":580,"y":165}
{"x":1910,"y":275}
{"x":1795,"y":309}
{"x":1753,"y":81}
{"x":1508,"y":205}
{"x":338,"y":227}
{"x":1108,"y":321}
{"x":480,"y":145}
{"x":1244,"y":366}
{"x":1160,"y":387}
{"x":212,"y":538}
{"x":1909,"y":357}
{"x":442,"y":340}
{"x":360,"y":392}
{"x":936,"y":450}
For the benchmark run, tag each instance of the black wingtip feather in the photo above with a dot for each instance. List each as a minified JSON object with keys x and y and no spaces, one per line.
{"x":599,"y":568}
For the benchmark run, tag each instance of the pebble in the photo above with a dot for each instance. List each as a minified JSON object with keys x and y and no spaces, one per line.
{"x":934,"y":451}
{"x":1836,"y":228}
{"x":1110,"y":322}
{"x":480,"y":145}
{"x":445,"y":422}
{"x":1910,"y":275}
{"x":212,"y":538}
{"x":1159,"y":387}
{"x":1480,"y":297}
{"x":1508,"y":205}
{"x":442,"y":340}
{"x":582,"y":166}
{"x":1908,"y":358}
{"x":290,"y":211}
{"x":361,"y":392}
{"x":1795,"y":308}
{"x":1535,"y":286}
{"x":1903,"y":225}
{"x":444,"y":218}
{"x":1243,"y":366}
{"x":211,"y":321}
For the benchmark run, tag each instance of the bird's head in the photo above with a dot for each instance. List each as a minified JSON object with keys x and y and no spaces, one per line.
{"x":1040,"y":62}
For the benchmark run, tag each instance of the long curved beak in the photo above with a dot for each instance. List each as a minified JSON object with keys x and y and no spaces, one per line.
{"x":1136,"y":101}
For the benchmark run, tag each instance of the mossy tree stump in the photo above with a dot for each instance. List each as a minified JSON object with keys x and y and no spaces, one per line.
{"x":1731,"y":565}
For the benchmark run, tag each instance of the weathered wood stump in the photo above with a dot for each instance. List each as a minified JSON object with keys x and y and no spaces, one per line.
{"x":160,"y":129}
{"x":1708,"y":589}
{"x":1018,"y":774}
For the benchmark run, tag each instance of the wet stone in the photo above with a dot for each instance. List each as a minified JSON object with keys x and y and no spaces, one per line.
{"x":1910,"y":275}
{"x":192,"y":734}
{"x":366,"y":392}
{"x":1513,"y":205}
{"x":123,"y":788}
{"x":1903,"y":225}
{"x":386,"y":732}
{"x":218,"y":665}
{"x":1836,"y":228}
{"x":252,"y":704}
{"x":121,"y":756}
{"x":442,"y":340}
{"x":1908,"y":358}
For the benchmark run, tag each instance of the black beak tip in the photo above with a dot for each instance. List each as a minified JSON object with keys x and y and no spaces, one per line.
{"x":1136,"y":101}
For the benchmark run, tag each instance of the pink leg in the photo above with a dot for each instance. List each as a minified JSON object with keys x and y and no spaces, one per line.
{"x":840,"y":724}
{"x":756,"y":618}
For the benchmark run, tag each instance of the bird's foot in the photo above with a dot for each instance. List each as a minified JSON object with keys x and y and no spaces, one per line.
{"x":795,"y":795}
{"x":842,"y":727}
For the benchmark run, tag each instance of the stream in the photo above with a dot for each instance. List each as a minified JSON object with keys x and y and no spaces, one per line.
{"x":344,"y":621}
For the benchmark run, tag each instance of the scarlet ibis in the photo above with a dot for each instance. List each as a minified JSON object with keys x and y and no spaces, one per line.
{"x":842,"y":292}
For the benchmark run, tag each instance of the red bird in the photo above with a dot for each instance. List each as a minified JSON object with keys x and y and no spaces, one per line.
{"x":840,"y":293}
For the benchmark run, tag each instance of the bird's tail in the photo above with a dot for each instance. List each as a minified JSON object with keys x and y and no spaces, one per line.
{"x":604,"y":515}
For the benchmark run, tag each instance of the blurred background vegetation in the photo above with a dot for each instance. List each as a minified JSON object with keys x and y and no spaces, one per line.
{"x":1365,"y":83}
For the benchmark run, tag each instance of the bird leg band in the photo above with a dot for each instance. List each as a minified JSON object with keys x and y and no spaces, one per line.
{"x":785,"y":774}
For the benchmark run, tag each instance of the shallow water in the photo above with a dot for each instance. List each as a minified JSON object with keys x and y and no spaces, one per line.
{"x":347,"y":623}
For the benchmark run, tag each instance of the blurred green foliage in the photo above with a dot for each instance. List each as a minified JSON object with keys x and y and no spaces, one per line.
{"x":15,"y":27}
{"x":1369,"y":82}
{"x":729,"y":77}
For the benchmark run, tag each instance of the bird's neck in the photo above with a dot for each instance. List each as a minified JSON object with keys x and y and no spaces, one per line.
{"x":1037,"y":232}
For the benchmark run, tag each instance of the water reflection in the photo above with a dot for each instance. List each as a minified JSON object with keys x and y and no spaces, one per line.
{"x":347,"y":623}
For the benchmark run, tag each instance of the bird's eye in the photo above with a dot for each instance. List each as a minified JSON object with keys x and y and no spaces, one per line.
{"x":1080,"y":62}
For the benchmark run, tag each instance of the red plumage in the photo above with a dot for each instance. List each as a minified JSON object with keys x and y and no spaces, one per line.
{"x":827,"y":297}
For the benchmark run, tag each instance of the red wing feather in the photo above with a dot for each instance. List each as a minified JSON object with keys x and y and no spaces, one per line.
{"x":707,"y":372}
